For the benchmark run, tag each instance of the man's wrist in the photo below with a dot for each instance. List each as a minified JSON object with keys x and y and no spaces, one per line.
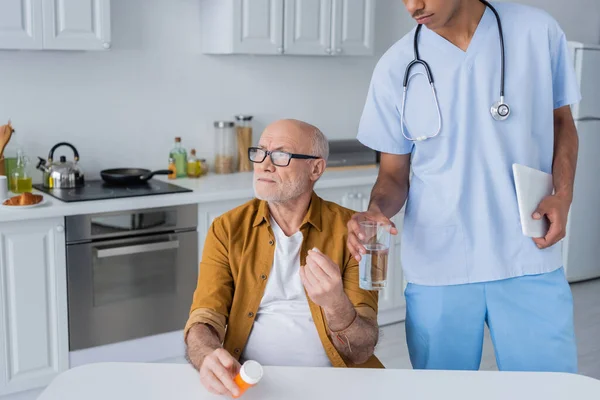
{"x":199,"y":349}
{"x":340,"y":304}
{"x":340,"y":314}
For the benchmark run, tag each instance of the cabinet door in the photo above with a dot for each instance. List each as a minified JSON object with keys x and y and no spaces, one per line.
{"x":353,"y":27}
{"x":258,"y":26}
{"x":33,"y":304}
{"x":307,"y":27}
{"x":76,"y":24}
{"x":21,"y":24}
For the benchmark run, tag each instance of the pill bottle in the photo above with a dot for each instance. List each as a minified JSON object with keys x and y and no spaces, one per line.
{"x":249,"y":375}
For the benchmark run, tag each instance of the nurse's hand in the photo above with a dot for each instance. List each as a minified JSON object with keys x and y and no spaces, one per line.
{"x":556,"y":209}
{"x":354,"y":232}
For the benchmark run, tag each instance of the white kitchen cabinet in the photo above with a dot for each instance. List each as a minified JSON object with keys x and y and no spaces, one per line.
{"x":293,"y":27}
{"x":242,"y":26}
{"x":33,"y":304}
{"x":353,"y":27}
{"x":21,"y":24}
{"x":307,"y":27}
{"x":55,"y":24}
{"x":76,"y":24}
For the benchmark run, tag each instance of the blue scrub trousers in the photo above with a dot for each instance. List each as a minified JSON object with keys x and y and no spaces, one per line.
{"x":530,"y":320}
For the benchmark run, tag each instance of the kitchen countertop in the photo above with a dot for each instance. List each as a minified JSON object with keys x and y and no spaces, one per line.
{"x":167,"y":381}
{"x":209,"y":188}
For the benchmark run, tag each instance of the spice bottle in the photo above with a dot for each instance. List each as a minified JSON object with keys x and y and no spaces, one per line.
{"x":172,"y":168}
{"x":193,"y":169}
{"x":249,"y":375}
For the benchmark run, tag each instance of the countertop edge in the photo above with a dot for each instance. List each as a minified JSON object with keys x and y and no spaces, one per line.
{"x":202,"y":192}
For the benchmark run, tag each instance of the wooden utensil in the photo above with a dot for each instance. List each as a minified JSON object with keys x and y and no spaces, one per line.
{"x":6,"y":132}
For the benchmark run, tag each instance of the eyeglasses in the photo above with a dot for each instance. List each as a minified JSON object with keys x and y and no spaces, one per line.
{"x":278,"y":158}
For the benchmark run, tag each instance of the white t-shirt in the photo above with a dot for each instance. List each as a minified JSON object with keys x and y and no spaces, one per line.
{"x":284,"y":333}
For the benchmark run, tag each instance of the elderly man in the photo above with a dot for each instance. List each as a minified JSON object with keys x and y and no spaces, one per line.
{"x":277,"y":284}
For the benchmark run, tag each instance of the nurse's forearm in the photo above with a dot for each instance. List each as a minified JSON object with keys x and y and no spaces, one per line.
{"x":388,"y":195}
{"x":566,"y":145}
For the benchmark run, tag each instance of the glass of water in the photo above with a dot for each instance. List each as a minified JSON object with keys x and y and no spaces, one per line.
{"x":373,"y":265}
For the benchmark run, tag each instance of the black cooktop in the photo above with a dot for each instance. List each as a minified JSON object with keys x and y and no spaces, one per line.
{"x":100,"y":190}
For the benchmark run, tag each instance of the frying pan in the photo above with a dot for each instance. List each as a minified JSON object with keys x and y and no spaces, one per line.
{"x":130,"y":176}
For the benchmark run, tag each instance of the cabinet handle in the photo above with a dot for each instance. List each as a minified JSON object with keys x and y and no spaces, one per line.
{"x":360,"y":196}
{"x":60,"y":228}
{"x":352,"y":195}
{"x":106,"y":45}
{"x":280,"y":50}
{"x":338,"y":50}
{"x":328,"y":50}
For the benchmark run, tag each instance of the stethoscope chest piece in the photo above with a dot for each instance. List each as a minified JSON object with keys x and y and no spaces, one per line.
{"x":500,"y":110}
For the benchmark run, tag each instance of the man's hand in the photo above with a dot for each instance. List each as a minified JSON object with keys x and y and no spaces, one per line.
{"x":218,"y":371}
{"x":556,"y":209}
{"x":323,"y":280}
{"x":355,"y":234}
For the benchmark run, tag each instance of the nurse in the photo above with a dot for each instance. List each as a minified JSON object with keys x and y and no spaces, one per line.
{"x":503,"y":86}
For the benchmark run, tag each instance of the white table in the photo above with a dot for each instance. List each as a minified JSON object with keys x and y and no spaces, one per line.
{"x":127,"y":381}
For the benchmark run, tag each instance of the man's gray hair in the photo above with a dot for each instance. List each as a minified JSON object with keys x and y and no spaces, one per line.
{"x":320,"y":144}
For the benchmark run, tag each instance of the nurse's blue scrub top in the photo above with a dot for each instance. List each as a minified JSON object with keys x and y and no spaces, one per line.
{"x":462,"y":221}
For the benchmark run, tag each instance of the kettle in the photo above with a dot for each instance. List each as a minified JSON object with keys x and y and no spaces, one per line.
{"x":62,"y":174}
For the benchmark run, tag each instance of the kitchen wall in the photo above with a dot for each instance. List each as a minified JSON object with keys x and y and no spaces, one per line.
{"x":580,"y":19}
{"x":125,"y":106}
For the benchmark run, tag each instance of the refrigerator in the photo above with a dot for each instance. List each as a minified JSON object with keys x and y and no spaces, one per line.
{"x":581,"y":245}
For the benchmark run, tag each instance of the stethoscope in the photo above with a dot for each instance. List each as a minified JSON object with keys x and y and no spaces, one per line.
{"x":500,"y":110}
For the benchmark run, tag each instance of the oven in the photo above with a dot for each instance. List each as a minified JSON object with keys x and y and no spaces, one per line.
{"x":130,"y":274}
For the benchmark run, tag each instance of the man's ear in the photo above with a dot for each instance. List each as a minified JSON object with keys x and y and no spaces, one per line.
{"x":318,"y":168}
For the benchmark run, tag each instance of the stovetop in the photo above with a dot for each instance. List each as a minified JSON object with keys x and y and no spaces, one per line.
{"x":100,"y":190}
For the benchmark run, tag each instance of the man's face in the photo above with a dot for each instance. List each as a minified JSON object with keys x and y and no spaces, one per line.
{"x":434,"y":14}
{"x":280,"y":184}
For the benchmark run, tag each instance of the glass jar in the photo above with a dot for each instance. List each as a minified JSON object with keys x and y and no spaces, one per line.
{"x":226,"y":147}
{"x":202,"y":166}
{"x":244,"y":140}
{"x":21,"y":181}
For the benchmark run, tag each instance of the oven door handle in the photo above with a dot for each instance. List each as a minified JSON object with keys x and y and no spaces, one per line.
{"x":137,"y":249}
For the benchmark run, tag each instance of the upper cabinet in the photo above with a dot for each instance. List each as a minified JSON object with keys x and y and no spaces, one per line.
{"x":294,"y":27}
{"x":307,"y":26}
{"x":76,"y":24}
{"x":21,"y":24}
{"x":353,"y":27}
{"x":55,"y":24}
